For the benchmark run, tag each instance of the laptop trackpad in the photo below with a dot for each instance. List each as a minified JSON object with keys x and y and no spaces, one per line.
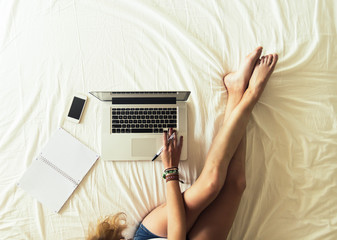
{"x":143,"y":147}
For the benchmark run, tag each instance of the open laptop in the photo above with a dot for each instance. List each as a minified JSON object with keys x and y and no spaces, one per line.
{"x":133,"y":123}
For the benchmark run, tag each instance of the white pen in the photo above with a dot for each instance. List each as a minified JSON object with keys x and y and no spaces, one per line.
{"x":161,"y":149}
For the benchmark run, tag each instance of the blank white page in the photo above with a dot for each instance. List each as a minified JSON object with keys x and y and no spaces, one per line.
{"x":46,"y":185}
{"x":69,"y":155}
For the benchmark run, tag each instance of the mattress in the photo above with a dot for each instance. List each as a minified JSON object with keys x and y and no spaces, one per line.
{"x":51,"y":50}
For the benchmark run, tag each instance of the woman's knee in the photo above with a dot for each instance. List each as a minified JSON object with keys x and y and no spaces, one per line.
{"x":214,"y":178}
{"x":214,"y":188}
{"x":215,"y":183}
{"x":241,"y":183}
{"x":237,"y":182}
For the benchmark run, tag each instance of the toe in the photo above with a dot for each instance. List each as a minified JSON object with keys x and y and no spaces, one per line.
{"x":270,"y":59}
{"x":274,"y":61}
{"x":275,"y":58}
{"x":263,"y":59}
{"x":267,"y":59}
{"x":258,"y":51}
{"x":254,"y":55}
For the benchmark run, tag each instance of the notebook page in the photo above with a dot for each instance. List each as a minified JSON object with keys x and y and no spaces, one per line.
{"x":46,"y":185}
{"x":69,"y":154}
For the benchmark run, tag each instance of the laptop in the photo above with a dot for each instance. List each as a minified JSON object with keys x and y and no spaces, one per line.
{"x":133,"y":123}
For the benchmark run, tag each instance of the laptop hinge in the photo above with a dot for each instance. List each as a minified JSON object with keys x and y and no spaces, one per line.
{"x":145,"y":100}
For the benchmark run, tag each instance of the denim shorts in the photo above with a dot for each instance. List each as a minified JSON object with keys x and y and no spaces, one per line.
{"x":143,"y":233}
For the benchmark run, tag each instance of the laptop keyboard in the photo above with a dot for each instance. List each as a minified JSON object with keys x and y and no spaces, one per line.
{"x":143,"y":120}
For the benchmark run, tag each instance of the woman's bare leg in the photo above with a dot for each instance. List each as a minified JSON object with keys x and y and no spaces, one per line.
{"x":213,"y":176}
{"x":223,"y":209}
{"x":216,"y":220}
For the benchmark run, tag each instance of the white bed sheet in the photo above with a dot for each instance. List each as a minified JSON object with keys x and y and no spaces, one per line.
{"x":50,"y":50}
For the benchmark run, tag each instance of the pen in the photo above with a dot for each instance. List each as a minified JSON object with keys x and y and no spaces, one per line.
{"x":161,"y":149}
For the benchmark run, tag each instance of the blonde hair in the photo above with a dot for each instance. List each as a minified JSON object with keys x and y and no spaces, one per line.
{"x":110,"y":228}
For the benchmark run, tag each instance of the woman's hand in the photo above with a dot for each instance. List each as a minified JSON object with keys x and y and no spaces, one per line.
{"x":172,"y":150}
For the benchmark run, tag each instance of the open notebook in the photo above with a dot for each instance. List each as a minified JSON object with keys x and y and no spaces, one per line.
{"x":58,"y":170}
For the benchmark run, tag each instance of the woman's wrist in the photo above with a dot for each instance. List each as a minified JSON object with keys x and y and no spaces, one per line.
{"x":171,"y":174}
{"x":170,"y":166}
{"x":172,"y":177}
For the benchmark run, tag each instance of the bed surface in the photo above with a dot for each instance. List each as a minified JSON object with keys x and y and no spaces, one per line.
{"x":51,"y":50}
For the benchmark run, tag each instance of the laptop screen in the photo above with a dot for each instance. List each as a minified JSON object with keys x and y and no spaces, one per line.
{"x":108,"y":96}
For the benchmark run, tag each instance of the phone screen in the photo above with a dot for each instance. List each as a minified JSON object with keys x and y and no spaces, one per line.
{"x":76,"y":108}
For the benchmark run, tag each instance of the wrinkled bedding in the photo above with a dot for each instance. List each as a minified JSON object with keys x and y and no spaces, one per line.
{"x":51,"y":50}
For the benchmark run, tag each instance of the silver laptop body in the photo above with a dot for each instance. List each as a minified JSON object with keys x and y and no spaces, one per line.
{"x":133,"y":122}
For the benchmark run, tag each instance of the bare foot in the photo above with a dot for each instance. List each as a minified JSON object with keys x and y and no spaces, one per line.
{"x":236,"y":82}
{"x":263,"y":69}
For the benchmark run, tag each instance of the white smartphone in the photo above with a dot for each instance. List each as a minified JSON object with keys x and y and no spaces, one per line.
{"x":76,"y":109}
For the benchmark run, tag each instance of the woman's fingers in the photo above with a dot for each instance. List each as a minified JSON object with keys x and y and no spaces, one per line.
{"x":165,"y":139}
{"x":170,"y":141}
{"x":173,"y":142}
{"x":180,"y":145}
{"x":175,"y":138}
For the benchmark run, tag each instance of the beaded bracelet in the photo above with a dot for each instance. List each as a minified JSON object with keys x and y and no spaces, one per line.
{"x":170,"y":172}
{"x":172,"y":177}
{"x":171,"y":168}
